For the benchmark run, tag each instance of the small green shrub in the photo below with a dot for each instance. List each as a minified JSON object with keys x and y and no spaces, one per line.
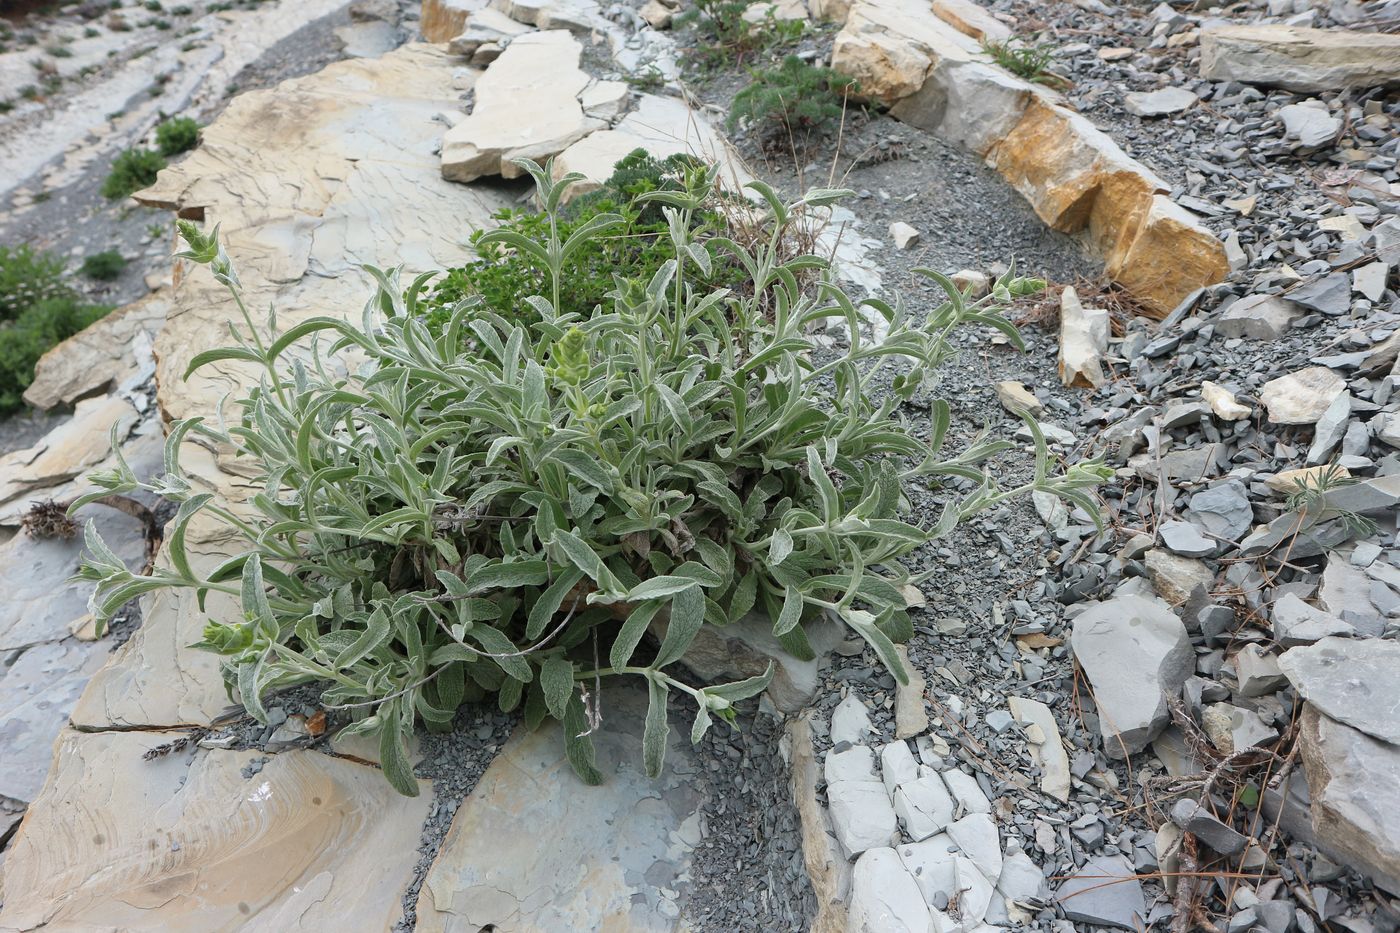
{"x":502,"y":510}
{"x":25,"y":339}
{"x":132,"y":170}
{"x":1026,"y":61}
{"x":105,"y":266}
{"x":28,"y":278}
{"x":59,"y":51}
{"x":177,"y":135}
{"x":728,"y":38}
{"x":636,"y":248}
{"x":790,"y":103}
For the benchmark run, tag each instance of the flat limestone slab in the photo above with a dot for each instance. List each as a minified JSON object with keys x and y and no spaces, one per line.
{"x":533,"y":848}
{"x":1309,"y":61}
{"x":527,"y":107}
{"x":308,"y":180}
{"x":186,"y":842}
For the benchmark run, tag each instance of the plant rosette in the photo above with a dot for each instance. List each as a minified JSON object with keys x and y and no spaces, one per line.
{"x":503,"y":507}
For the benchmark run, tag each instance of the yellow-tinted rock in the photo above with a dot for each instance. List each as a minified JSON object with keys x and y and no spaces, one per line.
{"x":888,"y":69}
{"x":444,"y":20}
{"x":1078,"y":180}
{"x":1168,"y":257}
{"x":971,"y":19}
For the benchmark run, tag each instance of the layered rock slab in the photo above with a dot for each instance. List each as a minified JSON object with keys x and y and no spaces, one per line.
{"x":186,"y":841}
{"x":533,"y":848}
{"x":1298,"y":59}
{"x":306,"y":179}
{"x":527,"y":107}
{"x":1077,"y":179}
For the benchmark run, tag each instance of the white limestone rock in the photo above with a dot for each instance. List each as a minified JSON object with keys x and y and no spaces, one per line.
{"x":1046,"y":745}
{"x":1159,"y":103}
{"x":966,"y":791}
{"x":1301,"y":397}
{"x":861,"y":815}
{"x":850,"y":721}
{"x":527,"y":107}
{"x":1083,"y":341}
{"x":856,"y":763}
{"x":924,"y":806}
{"x":885,"y":897}
{"x":897,"y":765}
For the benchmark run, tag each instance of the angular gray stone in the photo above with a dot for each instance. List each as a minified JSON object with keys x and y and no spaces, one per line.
{"x":1299,"y":59}
{"x":1197,"y":820}
{"x":1258,"y":673}
{"x":1310,"y":124}
{"x":1223,"y":509}
{"x":1356,"y":682}
{"x":1367,"y":497}
{"x":1159,"y":103}
{"x":1105,"y":892}
{"x":1330,"y":294}
{"x":1258,"y":317}
{"x":1135,"y":652}
{"x":1186,"y":539}
{"x":1021,"y":881}
{"x":1296,"y":623}
{"x":1354,"y":783}
{"x":861,"y":815}
{"x":1346,"y":593}
{"x":1233,"y":728}
{"x":1330,"y":429}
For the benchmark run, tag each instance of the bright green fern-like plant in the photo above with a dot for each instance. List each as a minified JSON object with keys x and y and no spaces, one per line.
{"x":502,"y":509}
{"x":790,"y":104}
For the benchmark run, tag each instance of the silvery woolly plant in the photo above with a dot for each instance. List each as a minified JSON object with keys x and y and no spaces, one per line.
{"x":506,"y":508}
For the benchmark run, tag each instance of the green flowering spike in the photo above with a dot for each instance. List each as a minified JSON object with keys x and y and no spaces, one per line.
{"x":570,"y":355}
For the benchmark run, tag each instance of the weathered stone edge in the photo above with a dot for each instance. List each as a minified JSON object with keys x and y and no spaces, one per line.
{"x":1076,"y":178}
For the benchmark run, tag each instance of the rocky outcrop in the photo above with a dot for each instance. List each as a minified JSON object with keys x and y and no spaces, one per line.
{"x":1298,"y":59}
{"x":114,"y":351}
{"x":1078,"y":180}
{"x":663,"y":126}
{"x":307,"y":181}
